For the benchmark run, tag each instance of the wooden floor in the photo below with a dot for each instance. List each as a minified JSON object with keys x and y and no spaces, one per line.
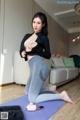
{"x":67,"y":112}
{"x":10,"y":92}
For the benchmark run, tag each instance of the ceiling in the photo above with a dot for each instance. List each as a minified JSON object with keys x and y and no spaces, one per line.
{"x":63,"y":13}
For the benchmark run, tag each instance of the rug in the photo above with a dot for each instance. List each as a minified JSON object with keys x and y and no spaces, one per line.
{"x":49,"y":109}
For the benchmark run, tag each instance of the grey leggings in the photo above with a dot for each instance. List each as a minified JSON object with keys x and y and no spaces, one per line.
{"x":39,"y":73}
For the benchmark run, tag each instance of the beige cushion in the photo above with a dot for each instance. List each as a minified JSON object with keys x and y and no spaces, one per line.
{"x":57,"y":62}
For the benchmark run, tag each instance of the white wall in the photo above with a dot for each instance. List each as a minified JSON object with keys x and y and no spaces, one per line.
{"x":1,"y":35}
{"x":0,"y":26}
{"x":74,"y":47}
{"x":17,"y":22}
{"x":58,"y":38}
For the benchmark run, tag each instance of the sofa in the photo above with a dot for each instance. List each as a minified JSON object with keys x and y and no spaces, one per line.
{"x":62,"y":70}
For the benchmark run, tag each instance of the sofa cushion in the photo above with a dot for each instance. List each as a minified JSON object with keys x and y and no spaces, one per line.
{"x":68,"y":62}
{"x":57,"y":62}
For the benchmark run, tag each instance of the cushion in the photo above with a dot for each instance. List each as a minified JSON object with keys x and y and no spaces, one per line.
{"x":68,"y":62}
{"x":57,"y":62}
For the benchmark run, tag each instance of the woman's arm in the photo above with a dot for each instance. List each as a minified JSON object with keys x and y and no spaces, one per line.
{"x":30,"y":42}
{"x":46,"y":51}
{"x":44,"y":41}
{"x":22,"y":47}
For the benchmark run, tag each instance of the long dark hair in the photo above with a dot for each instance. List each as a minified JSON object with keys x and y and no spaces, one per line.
{"x":43,"y":18}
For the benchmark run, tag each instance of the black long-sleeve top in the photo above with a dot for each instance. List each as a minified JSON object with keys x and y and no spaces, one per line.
{"x":42,"y":49}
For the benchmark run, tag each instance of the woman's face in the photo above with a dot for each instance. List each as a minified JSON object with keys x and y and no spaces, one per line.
{"x":37,"y":24}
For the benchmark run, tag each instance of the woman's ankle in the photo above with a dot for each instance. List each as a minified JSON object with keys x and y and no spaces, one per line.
{"x":52,"y":88}
{"x":65,"y":97}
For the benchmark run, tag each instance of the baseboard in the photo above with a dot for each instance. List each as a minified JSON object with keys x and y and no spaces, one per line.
{"x":20,"y":84}
{"x":5,"y":84}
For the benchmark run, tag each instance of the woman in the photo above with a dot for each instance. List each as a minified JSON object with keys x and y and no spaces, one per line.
{"x":34,"y":48}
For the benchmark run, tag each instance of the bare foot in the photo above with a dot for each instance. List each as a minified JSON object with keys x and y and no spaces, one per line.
{"x":65,"y":97}
{"x":52,"y":88}
{"x":31,"y":107}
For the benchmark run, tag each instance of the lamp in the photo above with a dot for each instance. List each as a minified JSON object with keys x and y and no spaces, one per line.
{"x":77,"y":8}
{"x":76,"y":38}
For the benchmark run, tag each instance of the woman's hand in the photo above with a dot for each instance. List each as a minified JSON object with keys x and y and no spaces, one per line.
{"x":23,"y":54}
{"x":30,"y":42}
{"x":30,"y":45}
